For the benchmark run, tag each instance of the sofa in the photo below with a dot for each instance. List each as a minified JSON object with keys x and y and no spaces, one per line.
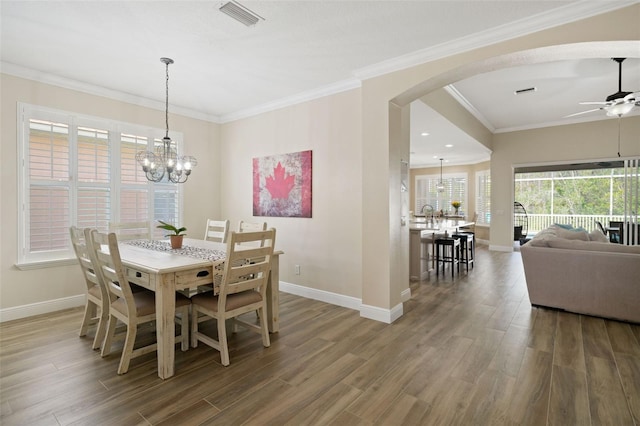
{"x":582,"y":272}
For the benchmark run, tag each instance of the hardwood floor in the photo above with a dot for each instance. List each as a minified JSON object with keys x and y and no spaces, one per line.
{"x":467,"y":351}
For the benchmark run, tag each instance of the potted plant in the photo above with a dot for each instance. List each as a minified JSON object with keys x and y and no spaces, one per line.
{"x":176,"y":237}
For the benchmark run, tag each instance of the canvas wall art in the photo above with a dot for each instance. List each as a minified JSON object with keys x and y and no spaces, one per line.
{"x":282,"y":185}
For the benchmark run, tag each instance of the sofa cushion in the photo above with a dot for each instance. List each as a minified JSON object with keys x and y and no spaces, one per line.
{"x":574,"y":234}
{"x":597,"y":235}
{"x":592,"y":246}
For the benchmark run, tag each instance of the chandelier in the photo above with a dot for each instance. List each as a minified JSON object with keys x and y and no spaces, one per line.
{"x":165,"y":161}
{"x":440,"y":185}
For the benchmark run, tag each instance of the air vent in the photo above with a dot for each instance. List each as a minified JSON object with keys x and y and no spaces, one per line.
{"x":240,"y":13}
{"x":527,"y":90}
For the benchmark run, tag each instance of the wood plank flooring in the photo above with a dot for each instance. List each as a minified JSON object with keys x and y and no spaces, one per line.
{"x":467,"y":351}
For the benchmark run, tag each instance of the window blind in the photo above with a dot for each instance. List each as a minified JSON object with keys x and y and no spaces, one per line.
{"x":455,"y":189}
{"x":81,"y":170}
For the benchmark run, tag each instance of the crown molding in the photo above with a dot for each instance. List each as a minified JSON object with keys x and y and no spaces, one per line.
{"x":92,"y":89}
{"x":455,"y":94}
{"x":331,"y":89}
{"x":563,"y":15}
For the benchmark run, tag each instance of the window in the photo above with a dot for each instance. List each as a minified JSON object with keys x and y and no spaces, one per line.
{"x":483,"y":197}
{"x":578,"y":193}
{"x":80,"y":170}
{"x":455,"y":189}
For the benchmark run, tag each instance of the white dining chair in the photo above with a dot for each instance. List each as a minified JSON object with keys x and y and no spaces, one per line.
{"x":217,"y":230}
{"x":130,"y":308}
{"x":96,"y":310}
{"x":131,"y":230}
{"x":242,"y":289}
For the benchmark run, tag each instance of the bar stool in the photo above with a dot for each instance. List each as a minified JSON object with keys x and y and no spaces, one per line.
{"x":467,"y":248}
{"x":428,"y":243}
{"x":450,"y":249}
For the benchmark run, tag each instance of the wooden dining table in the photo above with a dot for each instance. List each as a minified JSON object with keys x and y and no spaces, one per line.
{"x":418,"y":253}
{"x":166,"y":272}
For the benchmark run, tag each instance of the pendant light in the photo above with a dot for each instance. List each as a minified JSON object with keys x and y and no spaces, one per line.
{"x":165,"y":161}
{"x":440,"y":185}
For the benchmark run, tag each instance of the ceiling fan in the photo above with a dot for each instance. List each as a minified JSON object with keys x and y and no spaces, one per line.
{"x":617,"y":104}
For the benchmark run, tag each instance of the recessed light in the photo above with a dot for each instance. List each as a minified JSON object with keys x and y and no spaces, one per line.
{"x":449,"y":145}
{"x":435,"y":156}
{"x":424,"y":134}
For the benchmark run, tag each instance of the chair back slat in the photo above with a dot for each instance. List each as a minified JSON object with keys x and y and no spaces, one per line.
{"x":217,"y":230}
{"x":79,"y":244}
{"x":110,"y":266}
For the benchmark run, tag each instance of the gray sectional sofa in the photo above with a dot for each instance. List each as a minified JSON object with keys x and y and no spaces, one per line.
{"x":583,"y":273}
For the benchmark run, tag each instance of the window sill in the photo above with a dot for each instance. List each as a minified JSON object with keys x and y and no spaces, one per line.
{"x":28,"y":266}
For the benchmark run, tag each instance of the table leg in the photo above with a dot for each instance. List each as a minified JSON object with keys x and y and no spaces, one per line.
{"x":165,"y":325}
{"x":273,"y":296}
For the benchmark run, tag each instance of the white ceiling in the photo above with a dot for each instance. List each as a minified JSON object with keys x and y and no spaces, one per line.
{"x":303,"y":49}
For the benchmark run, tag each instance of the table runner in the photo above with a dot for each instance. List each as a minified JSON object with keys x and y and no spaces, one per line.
{"x":186,"y":250}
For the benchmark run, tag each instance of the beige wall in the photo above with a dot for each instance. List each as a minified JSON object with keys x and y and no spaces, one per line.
{"x":202,"y":192}
{"x":328,"y":245}
{"x":353,"y":246}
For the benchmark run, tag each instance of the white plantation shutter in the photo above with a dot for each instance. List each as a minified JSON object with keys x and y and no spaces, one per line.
{"x":80,"y":170}
{"x":93,"y":193}
{"x":49,"y":194}
{"x":455,"y":189}
{"x":483,"y":197}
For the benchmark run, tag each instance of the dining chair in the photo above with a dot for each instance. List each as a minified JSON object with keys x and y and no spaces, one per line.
{"x":217,"y":230}
{"x":251,"y":226}
{"x":96,"y":309}
{"x":131,"y":230}
{"x":242,"y":289}
{"x":130,"y":308}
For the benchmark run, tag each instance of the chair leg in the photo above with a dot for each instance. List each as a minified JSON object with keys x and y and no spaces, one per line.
{"x":194,"y":326}
{"x":98,"y":340}
{"x":184,"y":328}
{"x":222,"y":341}
{"x":89,"y":313}
{"x":266,"y":341}
{"x":127,"y":350}
{"x":108,"y":338}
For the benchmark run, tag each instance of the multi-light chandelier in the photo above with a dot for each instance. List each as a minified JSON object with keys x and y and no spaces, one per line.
{"x":165,"y":161}
{"x":440,"y":185}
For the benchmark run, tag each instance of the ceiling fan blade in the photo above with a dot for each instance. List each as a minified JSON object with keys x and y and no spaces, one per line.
{"x":582,"y":112}
{"x":632,"y":97}
{"x":594,"y":103}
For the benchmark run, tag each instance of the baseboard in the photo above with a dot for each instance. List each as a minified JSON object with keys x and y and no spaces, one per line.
{"x":405,"y":296}
{"x":321,"y":295}
{"x":371,"y":312}
{"x":383,"y":315}
{"x":24,"y":311}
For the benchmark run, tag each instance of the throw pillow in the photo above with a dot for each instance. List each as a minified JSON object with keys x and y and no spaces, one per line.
{"x":594,"y":246}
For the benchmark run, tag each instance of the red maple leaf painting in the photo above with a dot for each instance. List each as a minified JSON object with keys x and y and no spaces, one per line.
{"x":281,"y":184}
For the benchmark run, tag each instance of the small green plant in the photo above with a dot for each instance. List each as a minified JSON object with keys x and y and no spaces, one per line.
{"x":169,"y":227}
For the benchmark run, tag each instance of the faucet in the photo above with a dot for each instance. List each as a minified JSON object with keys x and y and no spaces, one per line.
{"x":427,"y":208}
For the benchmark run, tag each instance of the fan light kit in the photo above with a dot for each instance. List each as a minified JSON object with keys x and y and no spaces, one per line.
{"x":616,"y":104}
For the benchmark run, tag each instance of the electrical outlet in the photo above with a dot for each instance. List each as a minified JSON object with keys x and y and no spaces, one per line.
{"x":297,"y":269}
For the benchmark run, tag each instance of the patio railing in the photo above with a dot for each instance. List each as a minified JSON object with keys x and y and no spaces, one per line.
{"x":538,"y":222}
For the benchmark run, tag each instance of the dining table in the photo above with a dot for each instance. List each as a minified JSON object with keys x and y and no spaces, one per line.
{"x":154,"y":265}
{"x":419,"y":252}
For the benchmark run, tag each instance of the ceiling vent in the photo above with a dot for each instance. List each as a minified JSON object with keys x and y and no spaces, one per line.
{"x":527,"y":90}
{"x":241,"y":13}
